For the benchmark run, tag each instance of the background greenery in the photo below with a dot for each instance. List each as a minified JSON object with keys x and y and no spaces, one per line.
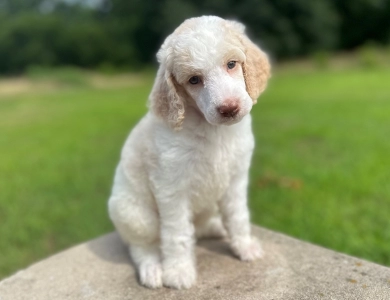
{"x":320,"y":169}
{"x":108,"y":34}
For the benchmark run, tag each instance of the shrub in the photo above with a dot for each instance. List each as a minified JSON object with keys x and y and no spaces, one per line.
{"x":368,"y":56}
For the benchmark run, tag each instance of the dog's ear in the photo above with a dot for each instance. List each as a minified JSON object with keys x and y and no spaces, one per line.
{"x":165,"y":100}
{"x":256,"y":67}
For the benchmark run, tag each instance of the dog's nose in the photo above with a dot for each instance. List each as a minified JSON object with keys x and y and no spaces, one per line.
{"x":228,"y":110}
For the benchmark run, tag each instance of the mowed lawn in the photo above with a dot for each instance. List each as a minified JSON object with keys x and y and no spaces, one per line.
{"x":320,"y":172}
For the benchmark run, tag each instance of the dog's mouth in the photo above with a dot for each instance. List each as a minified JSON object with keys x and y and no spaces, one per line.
{"x":230,"y":120}
{"x":231,"y":114}
{"x":228,"y":111}
{"x":226,"y":119}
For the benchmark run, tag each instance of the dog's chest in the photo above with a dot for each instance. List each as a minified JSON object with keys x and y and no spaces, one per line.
{"x":201,"y":164}
{"x":209,"y":171}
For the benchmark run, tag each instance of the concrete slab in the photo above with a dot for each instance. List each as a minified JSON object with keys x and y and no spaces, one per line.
{"x":290,"y":270}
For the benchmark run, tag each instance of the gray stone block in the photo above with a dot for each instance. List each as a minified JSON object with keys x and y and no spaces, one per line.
{"x":290,"y":269}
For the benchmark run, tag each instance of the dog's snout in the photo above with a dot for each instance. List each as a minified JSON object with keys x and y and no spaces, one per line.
{"x":229,"y":109}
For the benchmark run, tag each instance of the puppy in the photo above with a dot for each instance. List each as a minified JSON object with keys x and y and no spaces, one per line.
{"x":183,"y":171}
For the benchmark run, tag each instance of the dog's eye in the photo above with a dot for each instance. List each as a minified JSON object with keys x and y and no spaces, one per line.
{"x":231,"y":64}
{"x":194,"y":80}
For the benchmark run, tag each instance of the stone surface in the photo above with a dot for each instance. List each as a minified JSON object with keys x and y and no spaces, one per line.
{"x":290,"y":269}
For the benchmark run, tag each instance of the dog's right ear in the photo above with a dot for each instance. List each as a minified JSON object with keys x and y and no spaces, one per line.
{"x":164,"y":100}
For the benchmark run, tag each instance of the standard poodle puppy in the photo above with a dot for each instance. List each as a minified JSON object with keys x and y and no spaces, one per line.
{"x":183,"y":171}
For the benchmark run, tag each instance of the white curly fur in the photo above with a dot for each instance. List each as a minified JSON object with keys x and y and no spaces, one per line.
{"x":183,"y":173}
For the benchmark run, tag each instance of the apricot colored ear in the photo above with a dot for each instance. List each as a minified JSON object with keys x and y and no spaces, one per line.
{"x":164,"y":100}
{"x":256,"y":68}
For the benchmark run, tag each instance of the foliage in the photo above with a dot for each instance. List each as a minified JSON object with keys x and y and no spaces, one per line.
{"x":321,"y":59}
{"x":362,"y":21}
{"x":368,"y":56}
{"x":65,"y":76}
{"x":285,"y":28}
{"x":50,"y":41}
{"x":127,"y":33}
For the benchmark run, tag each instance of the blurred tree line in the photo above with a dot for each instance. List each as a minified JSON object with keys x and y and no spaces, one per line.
{"x":127,"y":33}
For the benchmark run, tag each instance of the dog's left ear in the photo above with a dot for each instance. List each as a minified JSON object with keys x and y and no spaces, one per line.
{"x":256,"y":67}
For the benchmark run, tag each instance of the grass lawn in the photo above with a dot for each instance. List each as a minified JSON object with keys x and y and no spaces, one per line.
{"x":320,"y":171}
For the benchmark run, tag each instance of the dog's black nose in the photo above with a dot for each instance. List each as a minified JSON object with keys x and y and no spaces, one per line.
{"x":228,"y":110}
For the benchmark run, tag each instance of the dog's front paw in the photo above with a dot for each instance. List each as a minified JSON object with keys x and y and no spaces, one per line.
{"x":247,"y":249}
{"x":181,"y":275}
{"x":150,"y":275}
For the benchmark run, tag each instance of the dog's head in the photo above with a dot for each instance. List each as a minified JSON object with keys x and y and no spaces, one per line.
{"x":208,"y":63}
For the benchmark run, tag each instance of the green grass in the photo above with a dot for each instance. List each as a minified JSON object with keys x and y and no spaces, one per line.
{"x":320,"y":171}
{"x":321,"y":167}
{"x":58,"y":154}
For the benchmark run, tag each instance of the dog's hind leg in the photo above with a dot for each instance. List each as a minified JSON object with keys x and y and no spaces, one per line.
{"x":140,"y":231}
{"x":136,"y":220}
